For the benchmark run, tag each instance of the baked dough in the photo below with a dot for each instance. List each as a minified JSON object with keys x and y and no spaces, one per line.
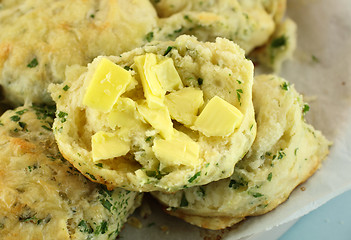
{"x":42,"y":196}
{"x":285,"y":153}
{"x":39,"y":38}
{"x":249,"y":23}
{"x":218,"y":69}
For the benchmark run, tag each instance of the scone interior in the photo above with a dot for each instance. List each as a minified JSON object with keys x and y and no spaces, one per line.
{"x":285,"y":153}
{"x":183,"y":115}
{"x":42,"y":196}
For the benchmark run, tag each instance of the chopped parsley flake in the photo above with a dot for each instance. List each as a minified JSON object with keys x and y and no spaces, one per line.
{"x":269,"y":177}
{"x":257,"y":194}
{"x":106,"y":203}
{"x":84,"y":227}
{"x":196,"y":175}
{"x":15,"y":118}
{"x":102,"y":228}
{"x":22,"y":124}
{"x":281,"y":154}
{"x":46,"y":127}
{"x":169,"y":48}
{"x":33,"y":63}
{"x":184,"y":202}
{"x":21,"y":112}
{"x":62,"y":116}
{"x":279,"y":42}
{"x":99,"y":165}
{"x":186,"y":17}
{"x":200,"y":81}
{"x":65,"y":88}
{"x":127,"y":68}
{"x":239,"y":81}
{"x":315,"y":59}
{"x":305,"y":108}
{"x":285,"y":86}
{"x":238,"y":94}
{"x":149,"y":36}
{"x":90,"y":175}
{"x":148,"y":139}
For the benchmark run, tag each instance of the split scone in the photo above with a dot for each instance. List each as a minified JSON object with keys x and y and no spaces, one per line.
{"x":284,"y":154}
{"x":163,"y":117}
{"x":39,"y":38}
{"x":249,"y":23}
{"x":42,"y":196}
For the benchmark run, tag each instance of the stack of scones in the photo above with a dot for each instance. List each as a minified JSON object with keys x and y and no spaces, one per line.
{"x":108,"y":99}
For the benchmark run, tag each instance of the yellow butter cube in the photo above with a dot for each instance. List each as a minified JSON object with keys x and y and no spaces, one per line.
{"x":184,"y":104}
{"x":218,"y":118}
{"x":123,"y":114}
{"x":158,"y":118}
{"x":108,"y":145}
{"x":153,"y":91}
{"x":109,"y":81}
{"x":178,"y":150}
{"x":168,"y":76}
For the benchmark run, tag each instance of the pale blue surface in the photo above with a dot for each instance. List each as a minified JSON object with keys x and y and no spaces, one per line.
{"x":330,"y":221}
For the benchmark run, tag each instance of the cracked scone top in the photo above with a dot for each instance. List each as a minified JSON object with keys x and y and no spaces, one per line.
{"x":163,"y":117}
{"x":42,"y":196}
{"x":285,"y":153}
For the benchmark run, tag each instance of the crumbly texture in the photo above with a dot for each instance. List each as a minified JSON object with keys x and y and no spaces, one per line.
{"x":223,"y":70}
{"x":249,"y":23}
{"x":285,"y":153}
{"x":279,"y":48}
{"x":42,"y":196}
{"x":39,"y":38}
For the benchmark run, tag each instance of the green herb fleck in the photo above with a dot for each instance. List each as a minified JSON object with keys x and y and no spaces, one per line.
{"x":90,"y":175}
{"x":201,"y":192}
{"x":169,"y":48}
{"x":62,"y":116}
{"x":239,"y":81}
{"x":200,"y":81}
{"x":33,"y":63}
{"x":279,"y":42}
{"x":22,"y":124}
{"x":106,"y":203}
{"x":257,"y":195}
{"x":15,"y":118}
{"x":184,"y":202}
{"x":305,"y":108}
{"x":238,"y":94}
{"x":83,"y":226}
{"x":149,"y":36}
{"x":186,"y":17}
{"x":127,"y":68}
{"x":296,"y":151}
{"x":269,"y":177}
{"x":65,"y":88}
{"x":148,"y":139}
{"x":196,"y":175}
{"x":235,"y":184}
{"x":92,"y":15}
{"x":99,"y":165}
{"x":102,"y":228}
{"x":21,"y":112}
{"x":315,"y":59}
{"x":285,"y":86}
{"x":281,"y":154}
{"x":46,"y":127}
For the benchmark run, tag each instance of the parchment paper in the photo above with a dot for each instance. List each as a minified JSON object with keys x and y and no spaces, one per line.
{"x":324,"y":31}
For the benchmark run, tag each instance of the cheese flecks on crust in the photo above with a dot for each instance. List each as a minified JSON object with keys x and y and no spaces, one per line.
{"x":248,"y":23}
{"x":42,"y":196}
{"x":285,"y":153}
{"x":147,"y":118}
{"x":40,"y":38}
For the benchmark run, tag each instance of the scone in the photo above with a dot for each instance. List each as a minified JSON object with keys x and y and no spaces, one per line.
{"x":39,"y":38}
{"x":249,"y":23}
{"x":163,"y":117}
{"x":42,"y":196}
{"x":284,"y":154}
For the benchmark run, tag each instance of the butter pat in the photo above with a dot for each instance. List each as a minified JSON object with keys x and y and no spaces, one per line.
{"x":218,"y":118}
{"x":168,"y":76}
{"x":179,"y":150}
{"x":108,"y":145}
{"x":123,"y":114}
{"x":153,"y":91}
{"x":158,"y":118}
{"x":183,"y":105}
{"x":109,"y":81}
